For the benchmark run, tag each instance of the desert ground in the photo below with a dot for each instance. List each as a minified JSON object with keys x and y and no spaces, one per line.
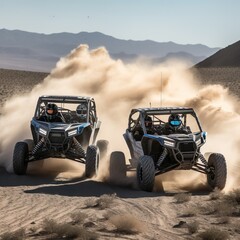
{"x":58,"y":202}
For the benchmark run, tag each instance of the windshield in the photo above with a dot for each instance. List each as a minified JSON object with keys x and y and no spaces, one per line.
{"x":185,"y":120}
{"x":81,"y":111}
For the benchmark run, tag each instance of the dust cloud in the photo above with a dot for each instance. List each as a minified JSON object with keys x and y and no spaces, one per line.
{"x":119,"y":87}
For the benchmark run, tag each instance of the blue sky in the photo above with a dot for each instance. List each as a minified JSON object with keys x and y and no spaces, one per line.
{"x":215,"y":23}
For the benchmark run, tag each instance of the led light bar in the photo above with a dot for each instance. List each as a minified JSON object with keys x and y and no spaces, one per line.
{"x":73,"y":132}
{"x":42,"y":131}
{"x":168,"y":143}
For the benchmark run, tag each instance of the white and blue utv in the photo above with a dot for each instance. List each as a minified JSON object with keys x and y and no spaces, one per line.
{"x":70,"y":134}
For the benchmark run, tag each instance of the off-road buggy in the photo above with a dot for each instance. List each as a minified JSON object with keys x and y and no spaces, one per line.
{"x":156,"y":152}
{"x":73,"y":138}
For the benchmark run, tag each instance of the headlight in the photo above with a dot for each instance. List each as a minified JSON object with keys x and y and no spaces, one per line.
{"x":73,"y":132}
{"x":42,"y":131}
{"x":169,"y":144}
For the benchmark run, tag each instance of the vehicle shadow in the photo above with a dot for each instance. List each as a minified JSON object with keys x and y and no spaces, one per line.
{"x":82,"y":187}
{"x":94,"y":188}
{"x":31,"y":179}
{"x":91,"y":188}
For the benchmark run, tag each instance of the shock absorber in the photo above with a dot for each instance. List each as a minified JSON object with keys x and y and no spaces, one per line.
{"x":203,"y":160}
{"x":38,"y":146}
{"x":79,"y":147}
{"x":162,"y":157}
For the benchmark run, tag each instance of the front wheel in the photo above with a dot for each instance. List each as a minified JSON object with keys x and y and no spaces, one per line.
{"x":92,"y":161}
{"x":20,"y":158}
{"x":146,"y":173}
{"x":218,"y":171}
{"x":30,"y":144}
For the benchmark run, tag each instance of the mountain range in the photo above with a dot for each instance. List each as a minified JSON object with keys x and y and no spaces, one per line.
{"x":40,"y":52}
{"x":226,"y":57}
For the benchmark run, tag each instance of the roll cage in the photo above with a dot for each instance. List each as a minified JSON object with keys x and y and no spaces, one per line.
{"x":64,"y":110}
{"x":137,"y":116}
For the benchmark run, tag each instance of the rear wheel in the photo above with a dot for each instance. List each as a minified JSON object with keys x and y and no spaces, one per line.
{"x":20,"y":158}
{"x":103,"y":147}
{"x":218,"y":175}
{"x":117,"y":166}
{"x":146,"y":173}
{"x":92,"y":161}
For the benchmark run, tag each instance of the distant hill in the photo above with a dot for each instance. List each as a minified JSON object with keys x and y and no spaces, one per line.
{"x":40,"y":52}
{"x":226,"y":57}
{"x":186,"y":57}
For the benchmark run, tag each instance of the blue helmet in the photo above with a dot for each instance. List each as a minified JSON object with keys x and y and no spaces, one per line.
{"x":174,"y":120}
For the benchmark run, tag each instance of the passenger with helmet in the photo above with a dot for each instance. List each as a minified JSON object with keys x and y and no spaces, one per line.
{"x":81,"y":112}
{"x":51,"y":114}
{"x":138,"y":131}
{"x":174,"y":125}
{"x":149,"y":125}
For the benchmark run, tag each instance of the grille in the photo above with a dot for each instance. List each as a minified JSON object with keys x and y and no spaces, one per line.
{"x":187,"y":147}
{"x":56,"y":137}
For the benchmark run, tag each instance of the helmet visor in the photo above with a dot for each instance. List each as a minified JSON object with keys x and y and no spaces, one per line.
{"x":175,"y":122}
{"x":81,"y":111}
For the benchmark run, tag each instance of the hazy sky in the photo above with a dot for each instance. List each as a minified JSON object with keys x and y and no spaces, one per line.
{"x":215,"y":23}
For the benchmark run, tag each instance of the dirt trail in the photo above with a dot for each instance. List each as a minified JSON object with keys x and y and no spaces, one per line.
{"x":26,"y":201}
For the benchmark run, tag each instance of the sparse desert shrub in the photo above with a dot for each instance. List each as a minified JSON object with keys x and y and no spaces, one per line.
{"x":49,"y":226}
{"x":233,"y":197}
{"x":220,"y":208}
{"x":207,"y":209}
{"x":193,"y":227}
{"x":224,"y":220}
{"x":127,"y":224}
{"x":67,"y":231}
{"x":190,"y":212}
{"x":91,"y":202}
{"x":216,"y":194}
{"x":182,"y":197}
{"x":223,"y":208}
{"x":213,"y":234}
{"x":107,"y":215}
{"x":78,"y":217}
{"x":236,"y":227}
{"x":16,"y":235}
{"x":106,"y":200}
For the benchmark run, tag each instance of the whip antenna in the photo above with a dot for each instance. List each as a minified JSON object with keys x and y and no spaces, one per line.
{"x":161,"y":89}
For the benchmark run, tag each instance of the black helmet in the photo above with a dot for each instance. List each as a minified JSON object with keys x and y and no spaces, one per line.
{"x":51,"y":110}
{"x":148,"y":122}
{"x":82,"y":111}
{"x":174,"y":120}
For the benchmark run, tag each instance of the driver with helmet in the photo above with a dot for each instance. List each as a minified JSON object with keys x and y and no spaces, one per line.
{"x":174,"y":125}
{"x":51,"y":114}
